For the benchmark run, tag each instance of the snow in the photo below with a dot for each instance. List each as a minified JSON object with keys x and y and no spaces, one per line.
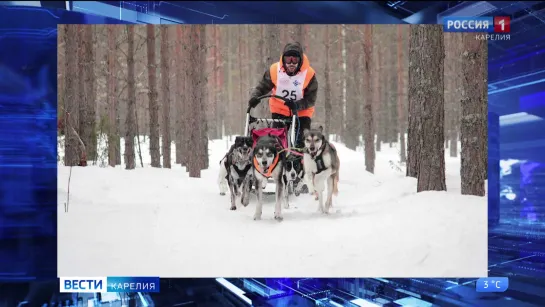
{"x":160,"y":222}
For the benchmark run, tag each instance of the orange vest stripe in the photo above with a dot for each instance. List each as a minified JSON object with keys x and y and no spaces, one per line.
{"x":274,"y":74}
{"x":310,"y":74}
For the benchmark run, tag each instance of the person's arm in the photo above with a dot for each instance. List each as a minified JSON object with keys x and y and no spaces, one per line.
{"x":264,"y":86}
{"x":310,"y":94}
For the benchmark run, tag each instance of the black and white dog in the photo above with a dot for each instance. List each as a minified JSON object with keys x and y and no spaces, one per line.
{"x":292,"y":177}
{"x":268,"y":162}
{"x":235,"y":172}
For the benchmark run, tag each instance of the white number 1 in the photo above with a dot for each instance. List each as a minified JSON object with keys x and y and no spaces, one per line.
{"x":502,"y":24}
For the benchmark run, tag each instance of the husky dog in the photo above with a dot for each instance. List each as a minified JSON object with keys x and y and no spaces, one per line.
{"x":292,"y":178}
{"x":268,"y":162}
{"x":321,"y":163}
{"x":235,"y":172}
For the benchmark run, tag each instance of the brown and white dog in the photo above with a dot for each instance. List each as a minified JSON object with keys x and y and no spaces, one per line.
{"x":321,"y":163}
{"x":268,"y":163}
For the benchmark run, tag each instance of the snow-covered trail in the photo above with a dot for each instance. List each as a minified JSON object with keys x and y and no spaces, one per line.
{"x":160,"y":222}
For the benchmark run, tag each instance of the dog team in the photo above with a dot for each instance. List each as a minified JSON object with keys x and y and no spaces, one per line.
{"x":247,"y":167}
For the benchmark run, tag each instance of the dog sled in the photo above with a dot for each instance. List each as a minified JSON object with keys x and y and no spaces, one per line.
{"x":282,"y":129}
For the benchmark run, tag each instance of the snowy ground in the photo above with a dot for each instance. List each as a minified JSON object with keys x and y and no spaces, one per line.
{"x":160,"y":222}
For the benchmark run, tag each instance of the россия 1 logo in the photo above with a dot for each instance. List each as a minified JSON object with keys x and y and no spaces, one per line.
{"x":498,"y":27}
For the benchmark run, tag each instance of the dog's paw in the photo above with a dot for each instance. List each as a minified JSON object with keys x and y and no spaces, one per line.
{"x":233,"y":208}
{"x":278,"y":217}
{"x":286,"y":206}
{"x":222,"y":193}
{"x":257,"y":217}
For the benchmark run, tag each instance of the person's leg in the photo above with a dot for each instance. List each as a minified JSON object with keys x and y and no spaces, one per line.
{"x":304,"y":123}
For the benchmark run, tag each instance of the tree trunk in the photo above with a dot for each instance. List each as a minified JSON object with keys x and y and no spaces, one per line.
{"x":400,"y":95}
{"x":71,"y":102}
{"x":391,"y":131}
{"x":426,"y":89}
{"x":111,"y":98}
{"x":178,"y":101}
{"x":218,"y":90}
{"x":378,"y":101}
{"x":82,"y":130}
{"x":203,"y":124}
{"x":344,"y":81}
{"x":241,"y":87}
{"x":455,"y":132}
{"x":368,"y":123}
{"x":187,"y":110}
{"x":88,"y":106}
{"x":152,"y":98}
{"x":61,"y":74}
{"x":196,"y":101}
{"x":299,"y":35}
{"x":353,"y":97}
{"x":474,"y":134}
{"x":130,"y":122}
{"x":327,"y":79}
{"x":413,"y":131}
{"x":165,"y":84}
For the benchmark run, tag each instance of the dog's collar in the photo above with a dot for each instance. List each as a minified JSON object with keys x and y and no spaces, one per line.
{"x":318,"y":158}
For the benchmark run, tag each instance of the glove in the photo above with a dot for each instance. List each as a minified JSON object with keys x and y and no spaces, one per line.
{"x":291,"y":104}
{"x":253,"y":102}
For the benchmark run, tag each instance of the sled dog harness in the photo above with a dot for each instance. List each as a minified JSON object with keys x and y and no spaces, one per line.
{"x":240,"y":172}
{"x":269,"y":169}
{"x":319,"y":159}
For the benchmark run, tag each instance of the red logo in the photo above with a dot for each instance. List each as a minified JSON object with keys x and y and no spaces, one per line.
{"x":502,"y":24}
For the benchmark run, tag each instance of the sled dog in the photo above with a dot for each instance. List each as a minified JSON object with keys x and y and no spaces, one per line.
{"x":292,"y":178}
{"x":235,"y":172}
{"x":268,"y":162}
{"x":321,"y":164}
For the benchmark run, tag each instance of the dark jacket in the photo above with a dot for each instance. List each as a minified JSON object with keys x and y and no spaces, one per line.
{"x":265,"y":85}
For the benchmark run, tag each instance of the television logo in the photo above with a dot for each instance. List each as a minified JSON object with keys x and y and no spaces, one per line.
{"x":83,"y":284}
{"x":502,"y":24}
{"x":477,"y":24}
{"x":109,"y":284}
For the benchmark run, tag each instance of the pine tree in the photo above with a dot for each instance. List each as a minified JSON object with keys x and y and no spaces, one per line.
{"x":474,"y":133}
{"x":426,"y":92}
{"x":152,"y":99}
{"x":130,"y":122}
{"x":165,"y":88}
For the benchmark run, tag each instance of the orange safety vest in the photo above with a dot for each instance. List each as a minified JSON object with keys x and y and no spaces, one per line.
{"x":290,"y":87}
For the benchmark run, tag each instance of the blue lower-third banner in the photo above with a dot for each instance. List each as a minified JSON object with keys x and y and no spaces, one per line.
{"x":133,"y":284}
{"x":108,"y":284}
